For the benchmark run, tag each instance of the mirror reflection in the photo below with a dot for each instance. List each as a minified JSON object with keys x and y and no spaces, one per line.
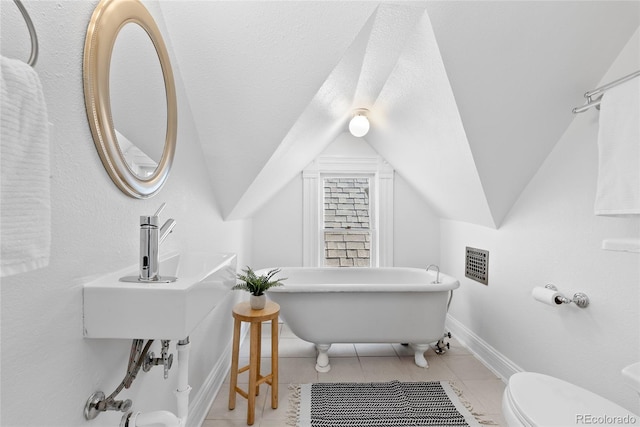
{"x":138,"y":99}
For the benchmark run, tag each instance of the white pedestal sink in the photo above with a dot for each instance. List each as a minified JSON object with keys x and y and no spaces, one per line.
{"x":114,"y":309}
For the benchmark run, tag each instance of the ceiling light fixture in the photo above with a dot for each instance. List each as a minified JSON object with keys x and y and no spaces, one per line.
{"x":359,"y":124}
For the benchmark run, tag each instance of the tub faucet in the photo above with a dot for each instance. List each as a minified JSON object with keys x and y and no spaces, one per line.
{"x":437,"y":272}
{"x":150,"y":239}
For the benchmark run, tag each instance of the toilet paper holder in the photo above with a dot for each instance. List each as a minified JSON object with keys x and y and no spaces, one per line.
{"x":580,"y":299}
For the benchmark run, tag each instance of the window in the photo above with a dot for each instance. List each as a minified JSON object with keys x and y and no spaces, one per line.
{"x":348,"y":213}
{"x":347,"y":222}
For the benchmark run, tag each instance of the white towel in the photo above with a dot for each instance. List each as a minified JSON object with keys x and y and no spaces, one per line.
{"x":25,"y":207}
{"x":618,"y":191}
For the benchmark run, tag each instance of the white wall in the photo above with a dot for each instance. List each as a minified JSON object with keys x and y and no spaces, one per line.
{"x":277,"y":227}
{"x":416,"y":228}
{"x":552,"y":236}
{"x":48,"y":368}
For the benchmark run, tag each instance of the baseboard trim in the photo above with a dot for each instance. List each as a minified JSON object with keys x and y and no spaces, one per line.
{"x":201,"y":402}
{"x":489,"y":356}
{"x":199,"y":405}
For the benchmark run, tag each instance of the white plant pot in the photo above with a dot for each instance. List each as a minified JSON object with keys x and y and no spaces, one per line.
{"x":257,"y":302}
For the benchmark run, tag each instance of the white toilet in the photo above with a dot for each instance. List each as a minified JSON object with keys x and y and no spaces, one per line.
{"x":532,"y":399}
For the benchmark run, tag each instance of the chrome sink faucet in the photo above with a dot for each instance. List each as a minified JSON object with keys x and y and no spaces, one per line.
{"x":150,"y":239}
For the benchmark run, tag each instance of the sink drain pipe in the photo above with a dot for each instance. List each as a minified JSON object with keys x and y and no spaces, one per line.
{"x":166,"y":418}
{"x":183,"y":390}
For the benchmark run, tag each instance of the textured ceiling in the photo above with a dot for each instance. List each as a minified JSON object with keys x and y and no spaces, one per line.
{"x":517,"y":68}
{"x":467,"y":98}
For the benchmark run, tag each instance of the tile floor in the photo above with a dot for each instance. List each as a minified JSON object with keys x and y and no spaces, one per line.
{"x":355,"y":362}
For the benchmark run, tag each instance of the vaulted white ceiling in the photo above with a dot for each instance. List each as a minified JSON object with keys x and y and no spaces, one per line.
{"x":466,"y":98}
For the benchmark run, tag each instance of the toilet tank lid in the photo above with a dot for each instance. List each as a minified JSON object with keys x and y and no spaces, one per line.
{"x":544,"y":400}
{"x":631,"y":376}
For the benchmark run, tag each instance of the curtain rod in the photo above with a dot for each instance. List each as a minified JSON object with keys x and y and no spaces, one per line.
{"x":599,"y":91}
{"x":32,"y":33}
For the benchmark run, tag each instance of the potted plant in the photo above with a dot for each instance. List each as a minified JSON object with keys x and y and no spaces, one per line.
{"x":257,"y":285}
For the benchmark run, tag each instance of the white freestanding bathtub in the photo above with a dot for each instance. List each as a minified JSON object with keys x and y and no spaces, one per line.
{"x":364,"y":305}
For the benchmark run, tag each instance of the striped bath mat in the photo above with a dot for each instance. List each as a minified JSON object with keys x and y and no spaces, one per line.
{"x":378,"y":404}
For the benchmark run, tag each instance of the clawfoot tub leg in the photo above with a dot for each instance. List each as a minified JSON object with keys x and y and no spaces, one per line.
{"x":418,"y":356}
{"x":322,"y":362}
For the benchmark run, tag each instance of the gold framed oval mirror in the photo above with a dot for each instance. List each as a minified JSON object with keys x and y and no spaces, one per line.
{"x":107,"y":21}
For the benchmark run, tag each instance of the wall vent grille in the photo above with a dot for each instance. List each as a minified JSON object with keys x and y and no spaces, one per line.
{"x":477,"y":265}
